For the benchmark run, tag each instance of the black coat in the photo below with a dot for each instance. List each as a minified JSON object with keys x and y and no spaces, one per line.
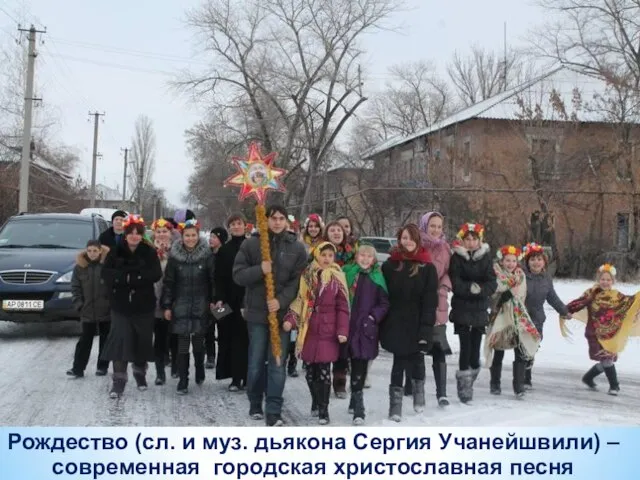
{"x":89,"y":292}
{"x":227,"y":290}
{"x":466,"y":268}
{"x":108,"y":238}
{"x":187,"y":288}
{"x":289,"y":258}
{"x":412,"y":307}
{"x":130,"y":277}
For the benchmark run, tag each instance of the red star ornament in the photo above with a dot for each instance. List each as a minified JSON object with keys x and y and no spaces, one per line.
{"x":256,"y":174}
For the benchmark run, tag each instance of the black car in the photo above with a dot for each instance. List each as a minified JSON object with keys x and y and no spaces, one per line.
{"x":37,"y":255}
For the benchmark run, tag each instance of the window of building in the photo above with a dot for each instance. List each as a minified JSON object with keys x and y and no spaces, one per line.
{"x":622,"y":231}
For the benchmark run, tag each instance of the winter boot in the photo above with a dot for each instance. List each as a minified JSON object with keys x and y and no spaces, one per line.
{"x":274,"y":420}
{"x":74,"y":374}
{"x":292,"y":362}
{"x":357,"y":400}
{"x":183,"y":372}
{"x":198,"y":361}
{"x":255,"y":411}
{"x":418,"y":395}
{"x":464,"y":382}
{"x":612,"y":376}
{"x":593,"y":372}
{"x":161,"y":378}
{"x":474,"y":375}
{"x":174,"y":365}
{"x":211,"y":363}
{"x":518,"y":378}
{"x":440,"y":376}
{"x":140,"y":376}
{"x":323,"y":392}
{"x":395,"y":403}
{"x":340,"y":383}
{"x":119,"y":382}
{"x":527,"y":375}
{"x":314,"y":398}
{"x":494,"y":384}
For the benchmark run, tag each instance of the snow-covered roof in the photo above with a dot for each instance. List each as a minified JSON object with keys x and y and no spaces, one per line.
{"x":561,"y":83}
{"x":49,"y":167}
{"x":107,"y":193}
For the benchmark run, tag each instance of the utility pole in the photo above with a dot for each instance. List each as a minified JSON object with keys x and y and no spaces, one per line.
{"x":124,"y":181}
{"x":140,"y":185}
{"x":96,"y":117}
{"x":23,"y":199}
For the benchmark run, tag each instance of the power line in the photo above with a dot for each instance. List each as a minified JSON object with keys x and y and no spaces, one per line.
{"x":113,"y":65}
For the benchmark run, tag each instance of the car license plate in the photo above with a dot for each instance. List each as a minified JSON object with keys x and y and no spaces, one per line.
{"x":22,"y":305}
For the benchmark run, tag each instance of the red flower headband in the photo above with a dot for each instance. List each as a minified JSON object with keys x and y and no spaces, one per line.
{"x":193,"y":223}
{"x":476,"y":228}
{"x":133,"y":219}
{"x":509,"y":250}
{"x":533,"y":248}
{"x":161,"y":223}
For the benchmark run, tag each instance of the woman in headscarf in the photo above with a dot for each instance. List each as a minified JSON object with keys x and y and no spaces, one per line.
{"x":130,"y":271}
{"x":435,"y":243}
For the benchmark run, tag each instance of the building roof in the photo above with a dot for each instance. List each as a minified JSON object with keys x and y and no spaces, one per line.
{"x":513,"y":104}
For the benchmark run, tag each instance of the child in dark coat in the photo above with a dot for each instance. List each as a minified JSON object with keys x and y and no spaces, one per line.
{"x":407,"y":332}
{"x":320,"y":312}
{"x":91,"y":299}
{"x":473,"y":283}
{"x":369,"y":305}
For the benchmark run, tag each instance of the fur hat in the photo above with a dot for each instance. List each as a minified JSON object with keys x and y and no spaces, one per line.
{"x":475,"y":228}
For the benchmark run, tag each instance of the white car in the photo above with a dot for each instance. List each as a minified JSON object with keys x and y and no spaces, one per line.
{"x":382,"y":245}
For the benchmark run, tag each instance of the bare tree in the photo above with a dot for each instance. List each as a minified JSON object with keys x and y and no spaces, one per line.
{"x":482,"y":74}
{"x":295,"y":64}
{"x":143,"y":155}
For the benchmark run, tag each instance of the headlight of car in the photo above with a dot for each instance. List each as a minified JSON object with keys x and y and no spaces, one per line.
{"x":66,"y":278}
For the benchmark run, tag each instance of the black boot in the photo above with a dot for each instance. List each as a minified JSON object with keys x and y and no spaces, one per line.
{"x":612,"y":376}
{"x":323,"y":392}
{"x":440,"y":377}
{"x":527,"y":375}
{"x":494,"y":384}
{"x":183,"y":372}
{"x":314,"y":398}
{"x":119,"y":382}
{"x":395,"y":403}
{"x":593,"y":372}
{"x":340,"y":383}
{"x":140,"y":375}
{"x":518,"y":378}
{"x":292,"y":362}
{"x":161,"y":378}
{"x":198,"y":360}
{"x":464,"y":382}
{"x":357,"y":400}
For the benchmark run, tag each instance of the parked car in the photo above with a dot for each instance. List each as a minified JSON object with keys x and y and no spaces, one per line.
{"x":37,"y":255}
{"x":382,"y":245}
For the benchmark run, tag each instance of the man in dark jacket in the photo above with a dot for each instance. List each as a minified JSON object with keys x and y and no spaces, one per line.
{"x":113,"y":235}
{"x":289,"y":258}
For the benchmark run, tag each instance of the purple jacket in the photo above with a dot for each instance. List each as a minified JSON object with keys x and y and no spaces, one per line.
{"x":369,"y":300}
{"x":329,"y":319}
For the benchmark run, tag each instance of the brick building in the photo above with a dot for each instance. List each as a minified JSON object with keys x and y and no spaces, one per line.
{"x":545,"y":161}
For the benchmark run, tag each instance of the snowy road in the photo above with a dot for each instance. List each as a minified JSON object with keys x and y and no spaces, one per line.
{"x":34,"y":391}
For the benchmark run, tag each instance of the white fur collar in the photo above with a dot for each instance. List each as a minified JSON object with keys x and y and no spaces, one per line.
{"x":476,"y":255}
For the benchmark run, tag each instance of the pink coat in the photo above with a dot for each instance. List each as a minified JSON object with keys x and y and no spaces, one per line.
{"x":329,"y":319}
{"x":440,"y":257}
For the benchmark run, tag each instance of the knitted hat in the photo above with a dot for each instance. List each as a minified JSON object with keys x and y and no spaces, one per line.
{"x":118,"y":213}
{"x":475,"y":228}
{"x":221,"y":233}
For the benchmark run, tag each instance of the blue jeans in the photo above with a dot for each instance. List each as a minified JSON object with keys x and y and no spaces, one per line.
{"x":259,"y":354}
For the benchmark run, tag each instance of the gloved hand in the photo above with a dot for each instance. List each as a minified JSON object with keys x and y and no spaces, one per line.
{"x":475,"y":288}
{"x":506,"y":296}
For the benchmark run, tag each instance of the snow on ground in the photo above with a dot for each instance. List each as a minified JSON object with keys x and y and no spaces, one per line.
{"x":34,"y":390}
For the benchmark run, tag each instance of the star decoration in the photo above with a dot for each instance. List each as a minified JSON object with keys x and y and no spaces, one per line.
{"x":256,"y":174}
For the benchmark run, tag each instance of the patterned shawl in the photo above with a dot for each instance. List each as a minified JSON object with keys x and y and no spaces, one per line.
{"x":615,"y":316}
{"x":510,"y":325}
{"x":313,"y":281}
{"x":353,"y":272}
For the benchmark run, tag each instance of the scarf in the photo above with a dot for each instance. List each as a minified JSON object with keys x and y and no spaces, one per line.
{"x":345,"y":254}
{"x":427,"y":240}
{"x":162,"y":249}
{"x":352,"y":273}
{"x":312,"y":283}
{"x":510,"y":325}
{"x":615,"y":316}
{"x":419,"y":255}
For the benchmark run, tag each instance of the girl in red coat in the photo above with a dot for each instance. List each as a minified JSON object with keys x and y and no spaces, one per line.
{"x":320,"y":312}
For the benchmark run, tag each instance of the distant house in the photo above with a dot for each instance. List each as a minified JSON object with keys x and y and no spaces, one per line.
{"x":544,"y":161}
{"x":106,"y":197}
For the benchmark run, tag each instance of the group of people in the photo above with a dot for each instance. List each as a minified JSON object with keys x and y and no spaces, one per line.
{"x":335,"y":305}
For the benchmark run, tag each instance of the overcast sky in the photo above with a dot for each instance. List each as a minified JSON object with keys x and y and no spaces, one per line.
{"x":117,"y":56}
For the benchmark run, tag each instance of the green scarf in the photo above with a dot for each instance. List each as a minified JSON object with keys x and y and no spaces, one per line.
{"x":352,"y":271}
